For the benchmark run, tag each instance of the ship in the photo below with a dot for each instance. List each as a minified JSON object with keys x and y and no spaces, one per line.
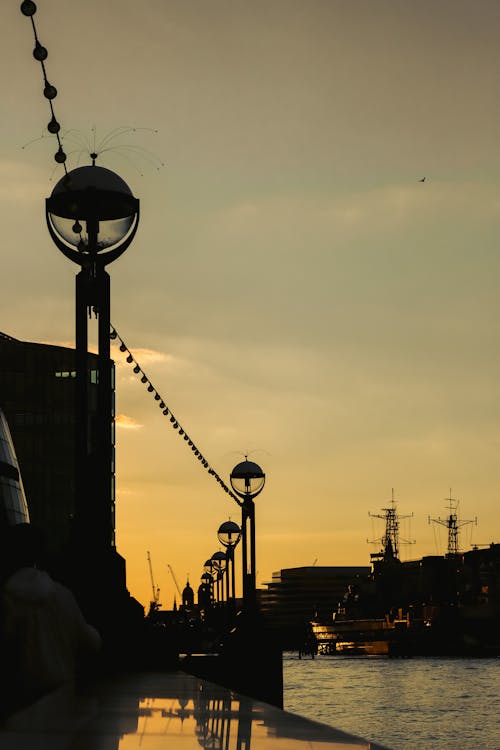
{"x":446,"y":605}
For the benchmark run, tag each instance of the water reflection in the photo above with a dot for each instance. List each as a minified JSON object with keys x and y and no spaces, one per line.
{"x":213,"y":716}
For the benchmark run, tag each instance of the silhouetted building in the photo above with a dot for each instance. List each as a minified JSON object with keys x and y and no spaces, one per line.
{"x":37,"y":394}
{"x":187,"y":596}
{"x":296,"y":595}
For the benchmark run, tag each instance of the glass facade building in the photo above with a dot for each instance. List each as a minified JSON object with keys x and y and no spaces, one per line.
{"x":13,"y":506}
{"x":37,"y":396}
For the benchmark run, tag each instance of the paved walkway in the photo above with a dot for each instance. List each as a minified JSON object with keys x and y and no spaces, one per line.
{"x":165,"y":711}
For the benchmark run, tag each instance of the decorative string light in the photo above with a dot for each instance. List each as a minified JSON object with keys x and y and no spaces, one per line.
{"x":40,"y":53}
{"x":167,"y":412}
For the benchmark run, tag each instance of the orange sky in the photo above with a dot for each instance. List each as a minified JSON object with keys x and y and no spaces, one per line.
{"x":294,"y":291}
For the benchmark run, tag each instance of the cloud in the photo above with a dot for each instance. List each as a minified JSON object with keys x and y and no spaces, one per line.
{"x":142,"y":355}
{"x":330,"y":212}
{"x":128,"y":423}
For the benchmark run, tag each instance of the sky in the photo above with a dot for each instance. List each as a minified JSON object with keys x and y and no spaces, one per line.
{"x":294,"y":292}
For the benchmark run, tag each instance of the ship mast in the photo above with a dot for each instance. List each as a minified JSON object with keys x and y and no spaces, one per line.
{"x":453,"y":525}
{"x":390,"y":538}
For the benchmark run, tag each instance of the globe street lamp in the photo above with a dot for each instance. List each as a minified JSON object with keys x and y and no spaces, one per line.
{"x":92,"y":217}
{"x":208,"y":576}
{"x":219,"y":565}
{"x":205,"y":592}
{"x":229,"y":534}
{"x":247,"y":480}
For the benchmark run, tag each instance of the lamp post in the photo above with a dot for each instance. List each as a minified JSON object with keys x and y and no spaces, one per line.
{"x":247,"y":480}
{"x":208,"y":576}
{"x":229,"y":534}
{"x":219,"y":565}
{"x":92,"y":217}
{"x":205,"y":592}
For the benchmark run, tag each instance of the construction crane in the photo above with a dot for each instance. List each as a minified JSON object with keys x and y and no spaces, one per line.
{"x":175,"y":580}
{"x":154,"y":604}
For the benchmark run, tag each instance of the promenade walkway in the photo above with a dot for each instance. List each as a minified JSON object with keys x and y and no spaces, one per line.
{"x":169,"y":710}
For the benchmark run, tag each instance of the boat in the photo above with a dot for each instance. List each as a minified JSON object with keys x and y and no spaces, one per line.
{"x":370,"y":636}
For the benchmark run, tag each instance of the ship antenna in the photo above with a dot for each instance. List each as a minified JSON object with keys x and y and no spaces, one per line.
{"x":453,"y":524}
{"x":390,"y":538}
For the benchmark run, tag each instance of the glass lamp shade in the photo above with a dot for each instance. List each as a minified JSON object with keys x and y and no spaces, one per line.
{"x":110,"y":232}
{"x":247,"y":479}
{"x":208,"y":566}
{"x":229,"y":534}
{"x":92,"y":213}
{"x":219,"y":561}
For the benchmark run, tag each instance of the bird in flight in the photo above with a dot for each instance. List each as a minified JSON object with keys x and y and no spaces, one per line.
{"x":422,"y":179}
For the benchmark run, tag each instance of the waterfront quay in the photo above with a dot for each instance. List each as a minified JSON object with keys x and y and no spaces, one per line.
{"x":171,"y":710}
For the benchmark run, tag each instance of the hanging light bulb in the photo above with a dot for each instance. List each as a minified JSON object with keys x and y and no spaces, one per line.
{"x":150,"y":388}
{"x":60,"y":156}
{"x":130,"y":359}
{"x":137,"y":369}
{"x":144,"y":379}
{"x":40,"y":53}
{"x":123,"y":348}
{"x":53,"y":126}
{"x":49,"y":92}
{"x":28,"y":8}
{"x":113,"y":334}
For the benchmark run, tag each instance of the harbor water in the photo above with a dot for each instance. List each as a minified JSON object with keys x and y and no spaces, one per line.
{"x":404,"y":704}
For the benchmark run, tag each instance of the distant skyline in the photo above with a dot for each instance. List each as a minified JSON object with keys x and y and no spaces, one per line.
{"x":295,"y":292}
